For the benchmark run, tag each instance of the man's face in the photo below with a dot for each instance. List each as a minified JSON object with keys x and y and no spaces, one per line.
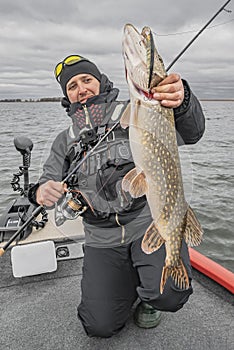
{"x":81,"y":87}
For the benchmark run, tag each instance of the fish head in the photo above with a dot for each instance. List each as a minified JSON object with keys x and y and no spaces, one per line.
{"x":143,"y":65}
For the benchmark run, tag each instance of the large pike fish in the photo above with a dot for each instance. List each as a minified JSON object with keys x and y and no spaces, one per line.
{"x":154,"y":148}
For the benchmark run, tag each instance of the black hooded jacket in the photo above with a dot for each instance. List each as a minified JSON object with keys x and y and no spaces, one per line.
{"x":128,"y":225}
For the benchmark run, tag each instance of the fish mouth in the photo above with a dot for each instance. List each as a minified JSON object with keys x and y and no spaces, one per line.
{"x":144,"y":93}
{"x":143,"y":67}
{"x":135,"y":56}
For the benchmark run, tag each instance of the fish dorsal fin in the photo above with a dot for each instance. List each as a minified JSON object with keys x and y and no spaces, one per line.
{"x":152,"y":239}
{"x":193,"y":231}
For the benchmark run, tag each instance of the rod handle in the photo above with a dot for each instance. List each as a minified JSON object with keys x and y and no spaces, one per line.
{"x":34,"y":214}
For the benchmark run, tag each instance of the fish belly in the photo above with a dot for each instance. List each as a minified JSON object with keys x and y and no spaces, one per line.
{"x":155,"y":153}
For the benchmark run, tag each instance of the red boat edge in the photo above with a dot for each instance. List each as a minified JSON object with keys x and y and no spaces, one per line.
{"x":213,"y":270}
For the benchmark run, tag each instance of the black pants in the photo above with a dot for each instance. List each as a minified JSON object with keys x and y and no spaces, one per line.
{"x":113,"y":279}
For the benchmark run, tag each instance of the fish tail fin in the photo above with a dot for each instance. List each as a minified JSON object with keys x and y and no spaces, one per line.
{"x":152,"y":239}
{"x":178,"y":274}
{"x":193,"y":231}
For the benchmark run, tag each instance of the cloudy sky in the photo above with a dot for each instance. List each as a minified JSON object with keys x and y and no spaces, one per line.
{"x":35,"y":35}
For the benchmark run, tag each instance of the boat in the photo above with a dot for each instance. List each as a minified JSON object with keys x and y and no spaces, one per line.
{"x":40,"y":290}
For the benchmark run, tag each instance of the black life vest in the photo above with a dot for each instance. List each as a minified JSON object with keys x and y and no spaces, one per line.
{"x":100,"y":177}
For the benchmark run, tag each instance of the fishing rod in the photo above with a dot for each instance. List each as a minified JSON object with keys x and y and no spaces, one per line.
{"x":39,"y":209}
{"x":35,"y":213}
{"x":195,"y":37}
{"x":88,"y":154}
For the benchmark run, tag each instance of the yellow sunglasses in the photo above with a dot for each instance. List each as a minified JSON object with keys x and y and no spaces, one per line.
{"x":68,"y":61}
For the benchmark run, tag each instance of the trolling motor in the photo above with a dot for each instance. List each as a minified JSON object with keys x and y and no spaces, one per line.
{"x":24,"y":145}
{"x":18,"y":212}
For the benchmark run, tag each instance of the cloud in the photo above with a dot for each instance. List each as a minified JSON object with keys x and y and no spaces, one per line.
{"x":36,"y":35}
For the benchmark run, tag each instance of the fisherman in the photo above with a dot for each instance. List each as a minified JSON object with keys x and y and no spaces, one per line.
{"x":116,"y":272}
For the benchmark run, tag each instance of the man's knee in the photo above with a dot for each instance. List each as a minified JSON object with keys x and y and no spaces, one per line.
{"x":98,"y":329}
{"x":102,"y":324}
{"x":172,"y":300}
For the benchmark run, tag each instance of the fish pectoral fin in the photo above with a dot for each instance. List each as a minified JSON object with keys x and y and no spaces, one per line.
{"x":152,"y":239}
{"x":125,"y":118}
{"x":178,"y":274}
{"x":138,"y":186}
{"x":193,"y":231}
{"x":127,"y":179}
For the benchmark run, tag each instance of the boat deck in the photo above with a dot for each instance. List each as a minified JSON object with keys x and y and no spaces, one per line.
{"x":39,"y":312}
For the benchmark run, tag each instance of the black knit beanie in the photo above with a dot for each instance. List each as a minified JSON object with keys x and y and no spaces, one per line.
{"x":80,"y":67}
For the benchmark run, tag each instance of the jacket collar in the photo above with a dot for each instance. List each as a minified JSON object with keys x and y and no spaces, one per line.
{"x":107,"y":94}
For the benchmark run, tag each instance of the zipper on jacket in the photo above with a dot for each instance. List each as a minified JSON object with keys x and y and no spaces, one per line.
{"x":87,"y":118}
{"x":122,"y":226}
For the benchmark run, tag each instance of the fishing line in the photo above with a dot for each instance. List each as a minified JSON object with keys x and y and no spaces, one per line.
{"x":196,"y":36}
{"x":194,"y":31}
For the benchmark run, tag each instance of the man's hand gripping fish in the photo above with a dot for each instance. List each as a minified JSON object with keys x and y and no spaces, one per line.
{"x":155,"y":152}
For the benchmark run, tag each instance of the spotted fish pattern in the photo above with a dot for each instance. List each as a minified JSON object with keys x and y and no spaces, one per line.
{"x":155,"y":152}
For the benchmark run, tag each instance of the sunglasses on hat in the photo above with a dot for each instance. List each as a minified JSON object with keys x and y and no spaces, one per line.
{"x":68,"y":61}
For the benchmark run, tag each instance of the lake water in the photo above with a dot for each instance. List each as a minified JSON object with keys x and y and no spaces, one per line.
{"x":208,"y":166}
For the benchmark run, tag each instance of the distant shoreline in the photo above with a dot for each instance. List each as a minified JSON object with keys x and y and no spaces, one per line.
{"x":43,"y":99}
{"x":58,"y":99}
